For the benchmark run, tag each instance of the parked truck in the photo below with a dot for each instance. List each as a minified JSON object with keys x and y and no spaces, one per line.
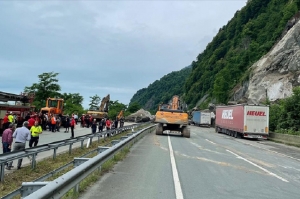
{"x":201,"y":118}
{"x":249,"y":121}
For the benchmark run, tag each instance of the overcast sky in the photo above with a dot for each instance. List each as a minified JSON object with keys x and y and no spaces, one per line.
{"x":104,"y":47}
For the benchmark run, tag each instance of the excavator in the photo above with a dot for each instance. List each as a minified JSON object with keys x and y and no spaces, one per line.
{"x":103,"y":109}
{"x":171,"y":117}
{"x":120,"y":115}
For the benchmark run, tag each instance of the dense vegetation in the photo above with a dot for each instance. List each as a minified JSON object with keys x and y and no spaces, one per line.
{"x":161,"y":90}
{"x":249,"y":35}
{"x":284,"y":116}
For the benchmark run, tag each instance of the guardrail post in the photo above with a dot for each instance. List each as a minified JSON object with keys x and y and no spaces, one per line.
{"x":79,"y":161}
{"x":54,"y":153}
{"x":81,"y":140}
{"x":30,"y":187}
{"x":70,"y":148}
{"x":101,"y":149}
{"x":91,"y":138}
{"x":33,"y":161}
{"x":114,"y":142}
{"x":2,"y":166}
{"x":123,"y":138}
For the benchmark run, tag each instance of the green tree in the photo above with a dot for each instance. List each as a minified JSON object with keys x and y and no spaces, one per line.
{"x":133,"y":107}
{"x":46,"y":87}
{"x":73,"y":103}
{"x":94,"y":102}
{"x":115,"y":108}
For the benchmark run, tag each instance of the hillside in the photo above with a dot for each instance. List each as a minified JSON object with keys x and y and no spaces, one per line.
{"x":248,"y":36}
{"x":162,"y":90}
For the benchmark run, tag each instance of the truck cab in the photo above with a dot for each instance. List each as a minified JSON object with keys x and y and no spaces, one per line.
{"x":53,"y":106}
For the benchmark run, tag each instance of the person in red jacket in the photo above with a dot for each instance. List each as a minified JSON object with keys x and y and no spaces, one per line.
{"x":108,"y":124}
{"x":72,"y":125}
{"x":31,"y":121}
{"x":5,"y":121}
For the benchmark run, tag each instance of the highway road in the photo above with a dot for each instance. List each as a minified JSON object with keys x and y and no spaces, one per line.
{"x":207,"y":165}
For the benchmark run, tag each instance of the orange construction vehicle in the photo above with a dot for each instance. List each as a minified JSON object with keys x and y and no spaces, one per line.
{"x":53,"y":106}
{"x":120,"y":115}
{"x":103,"y":109}
{"x":172,"y":117}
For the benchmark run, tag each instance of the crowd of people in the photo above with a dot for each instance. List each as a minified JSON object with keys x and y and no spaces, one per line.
{"x":35,"y":123}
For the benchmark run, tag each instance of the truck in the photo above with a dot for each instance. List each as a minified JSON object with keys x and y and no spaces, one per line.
{"x":22,"y":107}
{"x":243,"y":120}
{"x":201,"y":118}
{"x":53,"y":106}
{"x":172,"y":118}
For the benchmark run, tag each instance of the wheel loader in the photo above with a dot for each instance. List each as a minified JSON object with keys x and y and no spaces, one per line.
{"x":171,"y":117}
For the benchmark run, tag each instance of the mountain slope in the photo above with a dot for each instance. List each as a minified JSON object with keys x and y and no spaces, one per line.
{"x":249,"y":35}
{"x":162,"y":90}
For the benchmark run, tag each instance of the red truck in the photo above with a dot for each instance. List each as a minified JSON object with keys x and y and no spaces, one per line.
{"x":249,"y":121}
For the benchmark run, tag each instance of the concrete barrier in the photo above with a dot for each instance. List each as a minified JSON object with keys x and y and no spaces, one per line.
{"x":285,"y":138}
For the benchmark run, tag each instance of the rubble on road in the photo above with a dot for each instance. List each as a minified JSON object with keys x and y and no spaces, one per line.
{"x":140,"y":116}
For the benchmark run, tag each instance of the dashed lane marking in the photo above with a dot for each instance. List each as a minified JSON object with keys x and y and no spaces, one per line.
{"x":265,"y":170}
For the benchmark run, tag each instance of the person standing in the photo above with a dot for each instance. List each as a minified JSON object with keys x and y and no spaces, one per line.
{"x":100,"y":126}
{"x":67,"y":124}
{"x":53,"y":123}
{"x":7,"y":138}
{"x":31,"y":122}
{"x":76,"y":118}
{"x":94,"y":126}
{"x":72,"y":125}
{"x":5,"y":121}
{"x":121,"y":122}
{"x":22,"y":134}
{"x":108,"y":124}
{"x":35,"y":130}
{"x":10,"y":118}
{"x":116,"y":122}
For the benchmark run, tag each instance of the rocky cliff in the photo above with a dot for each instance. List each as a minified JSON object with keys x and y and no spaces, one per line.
{"x":276,"y":73}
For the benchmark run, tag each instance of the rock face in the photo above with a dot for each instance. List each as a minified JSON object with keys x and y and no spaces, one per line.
{"x":140,"y":116}
{"x":275,"y":74}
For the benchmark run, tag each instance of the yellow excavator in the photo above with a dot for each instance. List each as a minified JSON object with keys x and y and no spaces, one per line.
{"x":171,"y":117}
{"x":103,"y":109}
{"x":120,"y":115}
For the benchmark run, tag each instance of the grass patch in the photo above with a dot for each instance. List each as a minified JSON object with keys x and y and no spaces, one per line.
{"x":286,"y":143}
{"x":95,"y":176}
{"x":13,"y":181}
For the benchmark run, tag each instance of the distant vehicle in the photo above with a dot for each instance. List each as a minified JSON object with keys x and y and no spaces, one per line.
{"x":172,"y":118}
{"x":249,"y":121}
{"x":53,"y":106}
{"x":103,"y":110}
{"x":201,"y":118}
{"x":21,"y":109}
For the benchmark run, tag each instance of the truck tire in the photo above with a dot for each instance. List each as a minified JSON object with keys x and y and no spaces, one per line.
{"x":159,"y":129}
{"x":186,"y":132}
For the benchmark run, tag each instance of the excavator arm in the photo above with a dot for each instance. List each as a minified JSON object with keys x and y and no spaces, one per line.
{"x":104,"y":104}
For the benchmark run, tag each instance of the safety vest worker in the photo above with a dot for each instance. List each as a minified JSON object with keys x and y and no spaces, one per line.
{"x":36,"y":130}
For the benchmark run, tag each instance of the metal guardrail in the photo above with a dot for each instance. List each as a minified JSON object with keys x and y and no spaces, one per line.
{"x":32,"y":152}
{"x":83,"y":168}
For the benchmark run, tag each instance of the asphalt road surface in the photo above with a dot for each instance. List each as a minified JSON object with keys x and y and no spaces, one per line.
{"x":207,"y":165}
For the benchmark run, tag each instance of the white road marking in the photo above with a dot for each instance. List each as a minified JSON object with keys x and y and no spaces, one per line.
{"x":265,"y":170}
{"x":210,"y":141}
{"x":178,"y":190}
{"x":270,"y":150}
{"x":288,"y":167}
